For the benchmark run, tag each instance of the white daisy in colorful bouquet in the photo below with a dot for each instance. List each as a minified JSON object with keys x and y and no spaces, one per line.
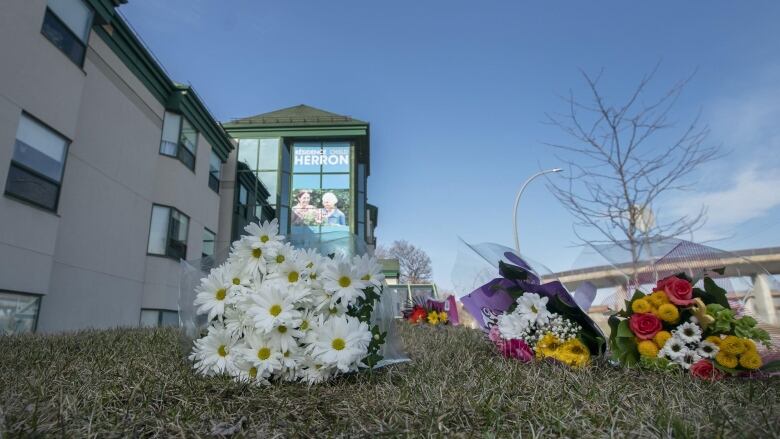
{"x":527,"y":320}
{"x":279,"y":313}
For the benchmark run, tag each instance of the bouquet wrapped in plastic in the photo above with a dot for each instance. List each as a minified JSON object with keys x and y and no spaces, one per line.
{"x":275,"y":312}
{"x":426,"y":310}
{"x":528,"y":320}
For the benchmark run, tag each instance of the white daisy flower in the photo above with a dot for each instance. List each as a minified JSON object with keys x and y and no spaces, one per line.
{"x":250,"y":254}
{"x":313,"y":371}
{"x":276,"y":256}
{"x":246,"y":372}
{"x":533,"y":308}
{"x":272,"y":307}
{"x":267,"y":233}
{"x":238,"y":275}
{"x":343,"y":281}
{"x":341,"y":342}
{"x":212,"y":294}
{"x":285,"y":337}
{"x":262,"y":354}
{"x":512,"y":326}
{"x":688,"y":359}
{"x":215,"y":353}
{"x":237,"y":322}
{"x":674,"y":349}
{"x":707,"y":349}
{"x":292,"y":271}
{"x":688,"y":332}
{"x":369,"y":269}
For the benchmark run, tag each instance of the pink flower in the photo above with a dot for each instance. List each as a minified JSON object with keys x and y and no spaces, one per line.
{"x":494,"y":335}
{"x":679,"y":291}
{"x":705,"y":370}
{"x":644,"y":325}
{"x":517,"y":349}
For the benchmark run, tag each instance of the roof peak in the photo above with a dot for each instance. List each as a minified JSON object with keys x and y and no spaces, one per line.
{"x":298,"y":115}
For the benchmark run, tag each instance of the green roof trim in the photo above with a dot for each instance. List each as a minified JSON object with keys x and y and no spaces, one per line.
{"x":175,"y":97}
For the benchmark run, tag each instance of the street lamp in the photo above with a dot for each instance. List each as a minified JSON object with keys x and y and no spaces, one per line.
{"x":517,"y":201}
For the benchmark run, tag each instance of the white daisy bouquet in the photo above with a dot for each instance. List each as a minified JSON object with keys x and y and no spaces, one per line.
{"x":280,"y":313}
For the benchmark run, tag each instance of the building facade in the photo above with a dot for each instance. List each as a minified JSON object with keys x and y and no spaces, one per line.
{"x":315,"y":165}
{"x":110,"y":172}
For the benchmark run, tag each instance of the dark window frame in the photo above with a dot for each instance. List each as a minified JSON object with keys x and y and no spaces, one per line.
{"x":181,"y":150}
{"x":214,"y":180}
{"x":64,"y":27}
{"x":215,"y":242}
{"x":168,"y":254}
{"x":35,"y":173}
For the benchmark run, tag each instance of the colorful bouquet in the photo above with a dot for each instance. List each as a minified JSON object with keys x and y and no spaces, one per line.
{"x":280,"y":313}
{"x":527,"y":320}
{"x":679,"y":325}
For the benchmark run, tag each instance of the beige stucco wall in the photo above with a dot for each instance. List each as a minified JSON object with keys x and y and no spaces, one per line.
{"x":89,"y":259}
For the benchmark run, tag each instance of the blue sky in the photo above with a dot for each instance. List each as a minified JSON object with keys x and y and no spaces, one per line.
{"x":456,"y":93}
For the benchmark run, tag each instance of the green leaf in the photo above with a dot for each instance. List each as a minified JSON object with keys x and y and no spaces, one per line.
{"x":725,"y":369}
{"x":624,"y":331}
{"x":714,"y":293}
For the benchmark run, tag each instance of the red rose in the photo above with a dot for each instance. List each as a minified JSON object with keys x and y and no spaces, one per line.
{"x":644,"y":325}
{"x":705,"y":370}
{"x":661,"y":284}
{"x":679,"y":291}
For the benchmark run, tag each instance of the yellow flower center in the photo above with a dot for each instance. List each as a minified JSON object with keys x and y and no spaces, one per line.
{"x":221,"y":294}
{"x":264,"y":238}
{"x":293,"y":277}
{"x":257,"y":252}
{"x":286,"y":354}
{"x":236,"y":281}
{"x":282,"y":329}
{"x":344,"y":281}
{"x":313,"y":276}
{"x":264,"y":353}
{"x":338,"y":344}
{"x":333,"y":311}
{"x":304,"y":325}
{"x":366,"y":277}
{"x":533,"y":309}
{"x":279,"y":259}
{"x":310,"y":264}
{"x":253,"y":372}
{"x":275,"y":310}
{"x":222,"y":351}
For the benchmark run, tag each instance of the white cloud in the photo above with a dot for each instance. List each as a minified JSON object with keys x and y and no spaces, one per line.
{"x":751,"y":194}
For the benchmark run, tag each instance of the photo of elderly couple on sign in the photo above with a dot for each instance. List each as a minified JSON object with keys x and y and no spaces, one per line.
{"x":306,"y":213}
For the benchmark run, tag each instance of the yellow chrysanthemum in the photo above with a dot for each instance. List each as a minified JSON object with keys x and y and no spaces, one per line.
{"x":750,"y":345}
{"x":647,"y":348}
{"x":726,"y":360}
{"x":732,"y":345}
{"x":661,"y":337}
{"x":573,"y":352}
{"x":547,"y":345}
{"x":668,"y":313}
{"x":443,"y":316}
{"x":658,"y":298}
{"x":641,"y":306}
{"x":714,"y":339}
{"x":750,"y":360}
{"x":433,"y":318}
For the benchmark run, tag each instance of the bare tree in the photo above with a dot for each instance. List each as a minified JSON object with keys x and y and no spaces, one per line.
{"x":415,"y":265}
{"x":622,"y":159}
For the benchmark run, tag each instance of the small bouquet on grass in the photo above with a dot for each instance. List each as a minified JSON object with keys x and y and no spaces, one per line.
{"x":680,"y":326}
{"x":424,"y":310}
{"x":280,"y":313}
{"x":527,"y":320}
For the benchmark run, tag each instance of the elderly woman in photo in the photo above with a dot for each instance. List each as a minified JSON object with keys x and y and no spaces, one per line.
{"x":331,"y":215}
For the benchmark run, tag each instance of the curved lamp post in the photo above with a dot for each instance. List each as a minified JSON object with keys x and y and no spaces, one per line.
{"x":517,"y":201}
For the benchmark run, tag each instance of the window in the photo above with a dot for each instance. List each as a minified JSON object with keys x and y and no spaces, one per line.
{"x":322,"y":198}
{"x":209,"y":238}
{"x":67,"y":24}
{"x":37,"y":164}
{"x":179,"y":139}
{"x":215,"y":164}
{"x":18,"y":312}
{"x":152,"y":318}
{"x":168,"y":232}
